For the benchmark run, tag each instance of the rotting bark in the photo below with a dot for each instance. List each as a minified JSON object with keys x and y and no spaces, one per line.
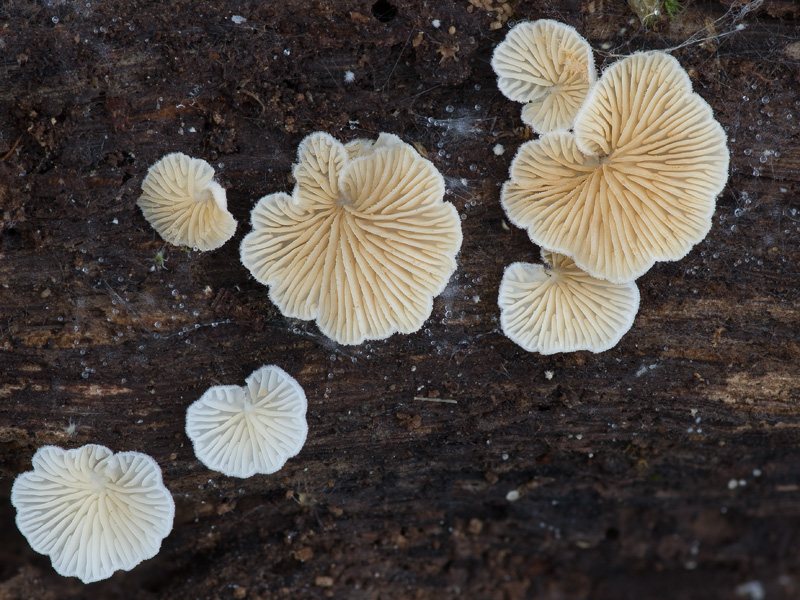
{"x":667,"y":467}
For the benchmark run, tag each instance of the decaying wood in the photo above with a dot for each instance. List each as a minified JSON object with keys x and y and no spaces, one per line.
{"x":667,"y":467}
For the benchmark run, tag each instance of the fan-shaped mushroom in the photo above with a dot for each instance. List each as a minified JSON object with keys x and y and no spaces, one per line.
{"x":557,"y":307}
{"x":363,"y":244}
{"x":184,"y":204}
{"x":92,"y":511}
{"x":550,"y":67}
{"x":636,"y":183}
{"x":241,"y":431}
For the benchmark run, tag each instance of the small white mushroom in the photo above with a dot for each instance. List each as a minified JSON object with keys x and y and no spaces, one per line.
{"x":550,"y":67}
{"x":184,"y":204}
{"x":363,"y":244}
{"x":557,"y":307}
{"x":92,"y":511}
{"x":241,"y":431}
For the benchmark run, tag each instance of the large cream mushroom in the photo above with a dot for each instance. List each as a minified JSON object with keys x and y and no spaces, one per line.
{"x":557,"y":307}
{"x":549,"y":66}
{"x":363,"y":244}
{"x":636,"y":183}
{"x":241,"y":431}
{"x":185,"y":205}
{"x":92,"y":511}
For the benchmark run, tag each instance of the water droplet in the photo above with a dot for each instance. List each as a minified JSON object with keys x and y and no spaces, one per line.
{"x":449,"y":108}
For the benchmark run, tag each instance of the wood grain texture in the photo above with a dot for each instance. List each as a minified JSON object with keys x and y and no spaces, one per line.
{"x":667,"y":467}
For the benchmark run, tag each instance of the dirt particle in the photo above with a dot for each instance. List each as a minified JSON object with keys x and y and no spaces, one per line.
{"x":475,"y":526}
{"x":304,"y":554}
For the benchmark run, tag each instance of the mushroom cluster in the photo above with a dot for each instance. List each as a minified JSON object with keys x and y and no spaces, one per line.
{"x":363,"y":245}
{"x":627,"y":179}
{"x":625,"y":172}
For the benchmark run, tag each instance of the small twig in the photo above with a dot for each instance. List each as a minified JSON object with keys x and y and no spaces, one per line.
{"x":254,"y":97}
{"x":10,"y":152}
{"x":446,"y":400}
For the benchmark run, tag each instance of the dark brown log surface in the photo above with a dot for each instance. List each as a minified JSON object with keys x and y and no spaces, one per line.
{"x":668,"y":467}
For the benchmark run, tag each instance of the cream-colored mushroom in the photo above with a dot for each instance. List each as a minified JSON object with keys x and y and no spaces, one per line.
{"x":363,"y":244}
{"x":184,"y":204}
{"x":241,"y":431}
{"x":557,"y":307}
{"x":636,"y":183}
{"x":92,"y":511}
{"x":550,"y":67}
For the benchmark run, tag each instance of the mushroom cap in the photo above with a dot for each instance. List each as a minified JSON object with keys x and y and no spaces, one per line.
{"x":549,"y":66}
{"x":92,"y":511}
{"x":184,"y":204}
{"x":557,"y":307}
{"x":363,"y":244}
{"x":636,"y":183}
{"x":241,"y":431}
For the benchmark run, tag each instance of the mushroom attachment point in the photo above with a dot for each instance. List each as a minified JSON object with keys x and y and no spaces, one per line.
{"x":92,"y":511}
{"x":362,"y":245}
{"x":636,"y":183}
{"x":241,"y":431}
{"x":549,"y":66}
{"x":557,"y":307}
{"x":184,"y":204}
